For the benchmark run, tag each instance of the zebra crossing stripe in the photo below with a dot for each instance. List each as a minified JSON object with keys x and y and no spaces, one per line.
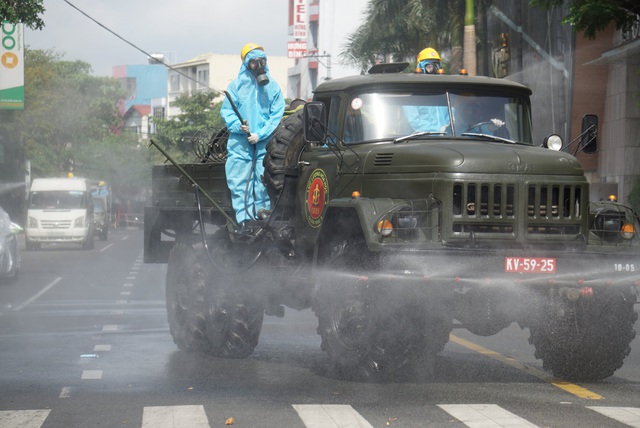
{"x":174,"y":417}
{"x":23,"y":418}
{"x":627,"y":415}
{"x":330,"y":416}
{"x":485,"y":416}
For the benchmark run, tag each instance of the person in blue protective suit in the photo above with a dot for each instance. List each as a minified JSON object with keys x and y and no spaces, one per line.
{"x":260,"y":102}
{"x":428,"y":118}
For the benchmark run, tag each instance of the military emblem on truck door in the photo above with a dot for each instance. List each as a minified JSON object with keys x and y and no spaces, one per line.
{"x":317,"y":196}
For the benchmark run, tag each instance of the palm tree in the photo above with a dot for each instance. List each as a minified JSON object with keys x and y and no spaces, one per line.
{"x":399,"y":29}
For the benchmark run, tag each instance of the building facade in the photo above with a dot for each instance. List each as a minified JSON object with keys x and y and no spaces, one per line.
{"x":213,"y":72}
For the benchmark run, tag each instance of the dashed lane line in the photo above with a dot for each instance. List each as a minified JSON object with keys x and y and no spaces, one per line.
{"x":38,"y":294}
{"x":564,"y":385}
{"x":105,"y":247}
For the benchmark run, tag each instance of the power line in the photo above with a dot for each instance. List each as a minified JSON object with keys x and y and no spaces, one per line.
{"x":142,"y":50}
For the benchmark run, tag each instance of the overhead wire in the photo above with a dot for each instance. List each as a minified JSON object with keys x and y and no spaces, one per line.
{"x":142,"y":50}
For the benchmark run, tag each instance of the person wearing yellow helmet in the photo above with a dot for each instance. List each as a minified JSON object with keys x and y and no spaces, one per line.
{"x":260,"y":104}
{"x":428,"y":61}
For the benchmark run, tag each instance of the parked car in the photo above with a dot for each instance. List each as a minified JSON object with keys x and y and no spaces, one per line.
{"x":9,"y":247}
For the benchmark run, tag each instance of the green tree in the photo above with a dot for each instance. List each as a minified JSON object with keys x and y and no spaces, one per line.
{"x":591,"y":16}
{"x":399,"y":29}
{"x":65,"y":107}
{"x":27,"y":12}
{"x":119,"y":160}
{"x":197,"y":114}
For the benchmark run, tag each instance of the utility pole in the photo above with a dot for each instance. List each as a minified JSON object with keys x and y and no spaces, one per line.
{"x":469,"y":48}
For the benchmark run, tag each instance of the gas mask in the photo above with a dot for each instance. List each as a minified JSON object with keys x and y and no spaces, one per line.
{"x":257,"y":67}
{"x":429,"y":67}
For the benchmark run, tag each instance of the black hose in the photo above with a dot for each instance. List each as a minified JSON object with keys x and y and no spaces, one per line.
{"x":206,"y":246}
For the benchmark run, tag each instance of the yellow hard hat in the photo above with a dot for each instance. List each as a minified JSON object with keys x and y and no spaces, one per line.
{"x":429,"y":53}
{"x":248,"y":48}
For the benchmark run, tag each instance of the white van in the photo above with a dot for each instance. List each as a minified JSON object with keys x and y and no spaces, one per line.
{"x":59,"y":210}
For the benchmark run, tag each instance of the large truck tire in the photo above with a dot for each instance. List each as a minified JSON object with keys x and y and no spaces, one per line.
{"x":283,"y":150}
{"x":187,"y":274}
{"x":585,"y":341}
{"x":234,"y":312}
{"x":361,"y":341}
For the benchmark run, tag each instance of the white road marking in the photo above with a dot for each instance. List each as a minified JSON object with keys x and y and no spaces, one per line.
{"x":23,"y":418}
{"x":121,"y":302}
{"x":626,"y":415}
{"x":124,"y":238}
{"x":102,"y":348}
{"x":485,"y":416}
{"x":330,"y":416}
{"x":127,"y":284}
{"x":66,"y":392}
{"x":116,"y":312}
{"x":91,"y":374}
{"x":38,"y":294}
{"x":131,"y":277}
{"x":110,"y":327}
{"x":125,"y":293}
{"x":105,"y":247}
{"x":174,"y":417}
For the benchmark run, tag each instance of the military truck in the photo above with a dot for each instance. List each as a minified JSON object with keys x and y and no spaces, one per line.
{"x":397,"y":215}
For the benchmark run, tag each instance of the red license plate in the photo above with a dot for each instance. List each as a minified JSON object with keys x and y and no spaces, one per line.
{"x":530,"y":264}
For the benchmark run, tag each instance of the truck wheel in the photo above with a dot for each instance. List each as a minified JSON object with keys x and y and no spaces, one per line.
{"x":585,"y":342}
{"x":283,"y":150}
{"x":361,"y":342}
{"x":187,"y":275}
{"x":234,"y":316}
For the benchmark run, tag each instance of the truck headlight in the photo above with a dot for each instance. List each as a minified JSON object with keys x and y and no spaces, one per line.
{"x":79,"y":222}
{"x":33,"y":223}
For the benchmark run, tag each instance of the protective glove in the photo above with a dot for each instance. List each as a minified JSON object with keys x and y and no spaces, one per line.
{"x":245,"y":128}
{"x":253,"y":138}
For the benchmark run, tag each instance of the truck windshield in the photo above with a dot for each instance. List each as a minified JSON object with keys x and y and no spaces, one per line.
{"x":56,"y":199}
{"x":375,"y":116}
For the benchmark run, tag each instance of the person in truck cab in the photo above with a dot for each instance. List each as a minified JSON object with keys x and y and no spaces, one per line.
{"x":428,"y":118}
{"x":260,"y":102}
{"x":428,"y":61}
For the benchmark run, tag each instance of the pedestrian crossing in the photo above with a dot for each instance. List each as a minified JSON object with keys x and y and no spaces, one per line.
{"x":326,"y":416}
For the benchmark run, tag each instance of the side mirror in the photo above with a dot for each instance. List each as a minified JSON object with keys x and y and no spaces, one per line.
{"x":315,"y":122}
{"x":589,"y":140}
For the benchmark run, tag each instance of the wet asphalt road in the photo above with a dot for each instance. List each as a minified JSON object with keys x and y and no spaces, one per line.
{"x":84,"y":342}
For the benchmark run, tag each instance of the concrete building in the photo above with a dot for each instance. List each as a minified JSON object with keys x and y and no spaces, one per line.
{"x":214,"y":72}
{"x":142,"y":83}
{"x":320,"y":28}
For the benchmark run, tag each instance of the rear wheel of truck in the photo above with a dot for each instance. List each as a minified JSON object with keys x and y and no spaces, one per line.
{"x":234,"y":314}
{"x":585,"y":340}
{"x":283,"y":150}
{"x":361,"y":341}
{"x":187,"y":274}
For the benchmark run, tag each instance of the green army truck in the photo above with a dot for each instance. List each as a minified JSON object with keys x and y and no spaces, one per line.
{"x":403,"y":206}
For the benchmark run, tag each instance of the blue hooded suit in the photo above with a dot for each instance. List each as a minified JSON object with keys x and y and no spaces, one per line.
{"x":262,"y":107}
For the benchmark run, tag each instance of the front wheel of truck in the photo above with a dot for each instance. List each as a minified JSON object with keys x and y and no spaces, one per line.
{"x":187,"y":274}
{"x":363,"y":340}
{"x":585,"y":340}
{"x":234,"y":312}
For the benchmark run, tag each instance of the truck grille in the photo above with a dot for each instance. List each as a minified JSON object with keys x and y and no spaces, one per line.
{"x":55,"y":224}
{"x":494,"y":208}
